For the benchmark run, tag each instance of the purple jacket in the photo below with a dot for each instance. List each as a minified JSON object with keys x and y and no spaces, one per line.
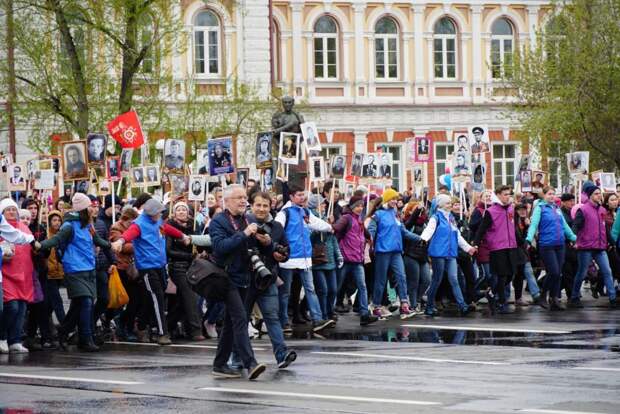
{"x":353,"y":241}
{"x":593,"y":234}
{"x":501,"y":234}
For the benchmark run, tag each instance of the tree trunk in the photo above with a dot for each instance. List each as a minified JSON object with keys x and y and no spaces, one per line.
{"x":11,"y":89}
{"x":125,"y":99}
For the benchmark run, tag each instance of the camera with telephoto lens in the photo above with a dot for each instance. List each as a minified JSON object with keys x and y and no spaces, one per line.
{"x":262,"y":275}
{"x":263,"y":229}
{"x":283,"y":250}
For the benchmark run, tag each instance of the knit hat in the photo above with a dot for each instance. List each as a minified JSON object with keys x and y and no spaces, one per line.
{"x":6,"y":203}
{"x":389,"y":195}
{"x":442,"y":200}
{"x":355,"y":201}
{"x":567,"y":197}
{"x":107,"y":201}
{"x":589,"y":187}
{"x":180,"y":204}
{"x":25,"y":213}
{"x":314,"y":201}
{"x":80,"y":201}
{"x":128,"y":213}
{"x":153,"y":207}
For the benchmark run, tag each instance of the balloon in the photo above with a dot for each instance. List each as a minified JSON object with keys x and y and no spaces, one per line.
{"x":447,"y":169}
{"x":446,"y":179}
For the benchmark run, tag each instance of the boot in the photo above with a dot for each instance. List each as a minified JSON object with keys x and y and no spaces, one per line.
{"x":143,"y":336}
{"x":88,"y":345}
{"x":543,"y":302}
{"x":555,"y":304}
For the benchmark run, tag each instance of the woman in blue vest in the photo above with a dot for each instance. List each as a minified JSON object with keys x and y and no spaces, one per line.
{"x":444,"y":240}
{"x":387,"y":232}
{"x":77,"y":239}
{"x":548,"y":221}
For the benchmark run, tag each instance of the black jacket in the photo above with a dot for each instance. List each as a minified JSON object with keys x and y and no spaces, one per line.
{"x":179,"y":255}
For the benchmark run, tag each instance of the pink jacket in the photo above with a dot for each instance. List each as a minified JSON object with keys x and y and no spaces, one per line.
{"x":17,"y":272}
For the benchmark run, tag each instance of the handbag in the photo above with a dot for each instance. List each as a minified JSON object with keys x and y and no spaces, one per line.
{"x":132,"y":271}
{"x":319,"y":253}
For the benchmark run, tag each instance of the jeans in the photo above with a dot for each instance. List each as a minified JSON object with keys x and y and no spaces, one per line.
{"x":214,"y":312}
{"x":285,"y":291}
{"x":357,"y":271}
{"x":267,"y":301}
{"x":13,"y":321}
{"x":383,"y":262}
{"x":525,"y":271}
{"x":52,"y":296}
{"x":80,"y":314}
{"x":326,"y":284}
{"x":553,"y":259}
{"x":585,"y":257}
{"x":418,"y":279}
{"x":441,"y":265}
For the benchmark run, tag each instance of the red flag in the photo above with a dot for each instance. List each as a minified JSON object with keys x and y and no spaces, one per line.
{"x":126,"y":130}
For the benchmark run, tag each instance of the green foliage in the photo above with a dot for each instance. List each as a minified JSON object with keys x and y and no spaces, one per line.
{"x":569,"y":84}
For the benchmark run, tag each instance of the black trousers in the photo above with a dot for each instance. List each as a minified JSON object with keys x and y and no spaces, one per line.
{"x":134,"y":290}
{"x":467,"y":267}
{"x":153,"y":294}
{"x":185,"y":308}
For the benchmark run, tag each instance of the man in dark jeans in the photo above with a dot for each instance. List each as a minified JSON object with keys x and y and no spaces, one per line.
{"x":569,"y":269}
{"x":231,"y":238}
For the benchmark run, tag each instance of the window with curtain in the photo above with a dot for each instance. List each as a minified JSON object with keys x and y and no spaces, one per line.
{"x":502,"y":47}
{"x":207,"y":47}
{"x":326,"y":48}
{"x":386,"y":49}
{"x":444,"y":49}
{"x":504,"y":164}
{"x":442,"y":153}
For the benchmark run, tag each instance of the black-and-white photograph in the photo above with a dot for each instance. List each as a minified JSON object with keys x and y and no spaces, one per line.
{"x":202,"y":161}
{"x":538,"y":181}
{"x":126,"y":155}
{"x":113,"y":168}
{"x":356,"y":164}
{"x":526,"y":181}
{"x":461,"y":164}
{"x":524,"y":165}
{"x":317,"y":168}
{"x":349,"y":190}
{"x":289,"y":148}
{"x":418,"y":174}
{"x":81,"y":186}
{"x":479,"y":138}
{"x":220,"y":156}
{"x":264,"y":157}
{"x":16,"y":179}
{"x":338,"y":166}
{"x":267,"y":179}
{"x":479,"y":175}
{"x":311,"y":136}
{"x":197,"y":188}
{"x":74,"y":158}
{"x":151,"y":176}
{"x":178,"y":183}
{"x":96,"y":144}
{"x":385,"y":165}
{"x":461,"y":142}
{"x":242,"y":176}
{"x":137,"y":177}
{"x":608,"y":182}
{"x":578,"y":162}
{"x":174,"y":154}
{"x":370,"y":167}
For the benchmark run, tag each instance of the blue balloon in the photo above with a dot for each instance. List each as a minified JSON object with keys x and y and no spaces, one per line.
{"x":446,"y":179}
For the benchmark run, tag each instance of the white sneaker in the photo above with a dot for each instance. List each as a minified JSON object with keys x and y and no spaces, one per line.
{"x":211,"y":331}
{"x":4,"y":347}
{"x":385,"y":312}
{"x":252,"y":332}
{"x":18,"y":349}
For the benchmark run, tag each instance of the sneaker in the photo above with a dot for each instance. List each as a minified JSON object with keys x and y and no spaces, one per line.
{"x":368,"y":319}
{"x":18,"y":349}
{"x":464,"y":311}
{"x":392,"y":307}
{"x":613,"y":304}
{"x":4,"y":347}
{"x":320,"y":325}
{"x":341,"y":309}
{"x":333,"y":317}
{"x":164,"y":340}
{"x":225,"y":372}
{"x":287,"y":329}
{"x":575,"y":304}
{"x":521,"y":303}
{"x":252,"y":332}
{"x":254,"y":370}
{"x":431,"y":311}
{"x":491,"y":300}
{"x":555,"y":304}
{"x":289,"y":358}
{"x":88,"y":345}
{"x":211,"y":330}
{"x":198,"y":338}
{"x":385,"y":312}
{"x":143,"y":336}
{"x":504,"y":309}
{"x":405,"y":312}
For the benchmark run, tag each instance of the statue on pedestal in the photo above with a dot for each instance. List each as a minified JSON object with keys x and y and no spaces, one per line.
{"x":288,"y":120}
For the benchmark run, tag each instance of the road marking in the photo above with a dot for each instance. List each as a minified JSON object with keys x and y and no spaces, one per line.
{"x":319,"y":396}
{"x":540,"y":411}
{"x":483,"y":328}
{"x":409,"y":358}
{"x":77,"y":379}
{"x":174,"y":345}
{"x":597,"y":369}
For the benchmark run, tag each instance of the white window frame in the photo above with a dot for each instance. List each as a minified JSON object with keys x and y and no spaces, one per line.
{"x":330,"y":147}
{"x":504,"y":160}
{"x":503,"y":40}
{"x":444,"y":53}
{"x":385,"y":39}
{"x":449,"y":151}
{"x":400,"y":164}
{"x":324,"y":37}
{"x":206,"y":30}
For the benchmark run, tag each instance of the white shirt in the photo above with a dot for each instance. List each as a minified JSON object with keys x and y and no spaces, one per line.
{"x":428,"y":232}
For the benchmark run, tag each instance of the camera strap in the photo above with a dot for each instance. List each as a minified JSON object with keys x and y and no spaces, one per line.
{"x":233,"y":222}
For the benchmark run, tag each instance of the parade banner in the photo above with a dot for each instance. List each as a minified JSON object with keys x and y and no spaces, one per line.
{"x":126,"y":130}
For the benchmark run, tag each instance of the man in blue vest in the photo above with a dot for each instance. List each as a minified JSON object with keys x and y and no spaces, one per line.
{"x":297,"y":223}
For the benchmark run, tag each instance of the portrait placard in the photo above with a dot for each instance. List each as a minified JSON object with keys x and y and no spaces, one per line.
{"x":96,"y":144}
{"x":424,"y":149}
{"x":338,"y":165}
{"x":311,"y":136}
{"x":197,"y":186}
{"x":220,"y":156}
{"x":264,"y":157}
{"x":74,"y":160}
{"x":289,"y":148}
{"x":479,"y":138}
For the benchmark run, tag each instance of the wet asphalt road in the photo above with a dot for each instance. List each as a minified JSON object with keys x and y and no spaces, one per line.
{"x":532,"y":361}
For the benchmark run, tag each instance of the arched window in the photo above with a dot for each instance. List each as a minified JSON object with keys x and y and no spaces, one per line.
{"x":326,"y":48}
{"x":502,"y":46}
{"x":277,"y":51}
{"x":207,"y":48}
{"x":444,"y":49}
{"x":386,"y":49}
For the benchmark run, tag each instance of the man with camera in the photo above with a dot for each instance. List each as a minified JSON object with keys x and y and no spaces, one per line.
{"x":263,"y":289}
{"x":235,"y":245}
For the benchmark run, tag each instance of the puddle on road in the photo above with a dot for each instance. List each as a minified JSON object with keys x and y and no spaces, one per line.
{"x":590,"y":340}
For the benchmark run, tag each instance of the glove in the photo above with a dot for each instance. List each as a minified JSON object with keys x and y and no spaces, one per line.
{"x":340,"y":263}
